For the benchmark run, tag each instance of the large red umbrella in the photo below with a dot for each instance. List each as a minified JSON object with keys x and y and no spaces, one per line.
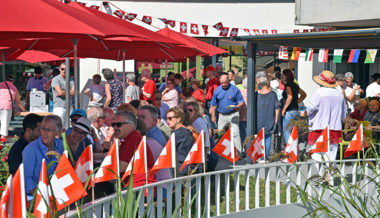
{"x":32,"y":56}
{"x":189,"y":41}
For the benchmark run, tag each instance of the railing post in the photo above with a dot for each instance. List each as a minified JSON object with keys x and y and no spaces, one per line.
{"x":188,"y":198}
{"x":227,"y":191}
{"x":169,"y":199}
{"x":150,"y":204}
{"x":267,"y":187}
{"x":141,"y":204}
{"x":198,"y":198}
{"x":178,"y":195}
{"x":160,"y":204}
{"x":237,"y":191}
{"x":298,"y":167}
{"x":278,"y":191}
{"x":287,"y":185}
{"x":207,"y":195}
{"x":246,"y":187}
{"x":257,"y":188}
{"x":217,"y":194}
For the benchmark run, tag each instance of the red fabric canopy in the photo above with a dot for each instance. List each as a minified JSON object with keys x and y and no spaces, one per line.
{"x":189,"y":41}
{"x":33,"y":56}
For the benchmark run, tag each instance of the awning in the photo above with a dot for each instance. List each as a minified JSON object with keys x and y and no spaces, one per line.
{"x":353,"y":39}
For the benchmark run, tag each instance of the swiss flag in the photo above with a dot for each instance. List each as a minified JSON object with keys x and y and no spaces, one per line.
{"x":171,"y":23}
{"x":147,"y":19}
{"x":194,"y":29}
{"x":296,"y":31}
{"x":95,"y":7}
{"x":234,"y":32}
{"x":120,"y":14}
{"x":109,"y":170}
{"x":65,"y":184}
{"x":224,"y":31}
{"x":183,"y":27}
{"x":323,"y":143}
{"x":139,"y":160}
{"x":205,"y":29}
{"x":18,"y":196}
{"x":196,"y":154}
{"x":167,"y":156}
{"x":264,"y":31}
{"x":356,"y":143}
{"x":6,"y":198}
{"x":274,"y":31}
{"x":226,"y":147}
{"x":218,"y":26}
{"x":247,"y":31}
{"x":291,"y":149}
{"x":84,"y":166}
{"x":256,"y":31}
{"x":257,"y":148}
{"x":130,"y":16}
{"x":42,"y":197}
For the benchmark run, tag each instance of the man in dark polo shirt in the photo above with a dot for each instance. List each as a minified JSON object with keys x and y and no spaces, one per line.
{"x":31,"y":126}
{"x":124,"y":124}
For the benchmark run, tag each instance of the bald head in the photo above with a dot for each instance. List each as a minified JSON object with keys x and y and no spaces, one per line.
{"x":224,"y":81}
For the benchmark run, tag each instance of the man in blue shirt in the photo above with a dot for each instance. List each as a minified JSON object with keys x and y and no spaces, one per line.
{"x":148,"y":114}
{"x":47,"y":147}
{"x":227,"y":100}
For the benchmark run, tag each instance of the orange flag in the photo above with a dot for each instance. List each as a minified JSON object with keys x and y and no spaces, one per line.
{"x":291,"y":149}
{"x":167,"y":156}
{"x":109,"y":170}
{"x":65,"y":184}
{"x":257,"y":148}
{"x":323,"y":142}
{"x":196,"y":154}
{"x":84,"y":166}
{"x":18,"y":194}
{"x":139,"y":160}
{"x":42,"y":196}
{"x":6,"y":198}
{"x":356,"y":143}
{"x":226,"y":147}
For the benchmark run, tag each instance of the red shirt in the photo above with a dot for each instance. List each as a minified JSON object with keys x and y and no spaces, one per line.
{"x":211,"y":86}
{"x":357,"y":115}
{"x":199,"y":96}
{"x":149,"y":87}
{"x":127,"y":150}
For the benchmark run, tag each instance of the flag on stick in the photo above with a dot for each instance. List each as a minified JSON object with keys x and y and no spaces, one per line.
{"x":291,"y":149}
{"x":109,"y":170}
{"x":225,"y":147}
{"x":322,"y":145}
{"x":139,"y":160}
{"x":356,"y":143}
{"x":257,"y":148}
{"x":42,"y":196}
{"x":18,"y":194}
{"x":196,"y":154}
{"x":167,"y":156}
{"x":6,"y":199}
{"x":84,"y":166}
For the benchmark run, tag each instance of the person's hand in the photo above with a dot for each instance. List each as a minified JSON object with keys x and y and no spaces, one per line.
{"x":110,"y":132}
{"x":213,"y":118}
{"x":283,"y":113}
{"x":357,"y":87}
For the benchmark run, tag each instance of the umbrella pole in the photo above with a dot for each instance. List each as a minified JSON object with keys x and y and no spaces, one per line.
{"x":187,"y":66}
{"x":166,"y":69}
{"x":67,"y":97}
{"x":3,"y":60}
{"x":76,"y":80}
{"x":124,"y":79}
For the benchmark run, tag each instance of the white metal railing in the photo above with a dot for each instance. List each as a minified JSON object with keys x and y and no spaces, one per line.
{"x":284,"y":178}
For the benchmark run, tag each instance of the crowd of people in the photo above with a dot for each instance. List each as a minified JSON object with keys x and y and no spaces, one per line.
{"x":158,"y":111}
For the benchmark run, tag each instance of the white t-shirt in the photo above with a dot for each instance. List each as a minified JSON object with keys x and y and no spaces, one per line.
{"x":372,"y":90}
{"x":348,"y":91}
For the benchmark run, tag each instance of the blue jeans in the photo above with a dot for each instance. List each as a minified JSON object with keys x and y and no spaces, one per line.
{"x":289,"y":116}
{"x":243,"y":131}
{"x":268,"y":138}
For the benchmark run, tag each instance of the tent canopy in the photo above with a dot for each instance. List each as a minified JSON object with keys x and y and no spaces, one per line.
{"x":358,"y":38}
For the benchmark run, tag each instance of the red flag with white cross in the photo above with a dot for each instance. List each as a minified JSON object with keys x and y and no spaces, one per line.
{"x":218,"y":26}
{"x":196,"y":154}
{"x":109,"y":170}
{"x":183,"y":27}
{"x":139,"y":160}
{"x":257,"y":148}
{"x":356,"y":143}
{"x":130,"y":16}
{"x":6,"y":198}
{"x":247,"y":31}
{"x":194,"y":29}
{"x":147,"y":19}
{"x":84,"y":166}
{"x":171,"y":23}
{"x":226,"y":148}
{"x":18,"y":194}
{"x":291,"y":149}
{"x":95,"y":7}
{"x":167,"y":156}
{"x":205,"y":29}
{"x":234,"y":32}
{"x":323,"y":142}
{"x":224,"y":31}
{"x":66,"y":186}
{"x":42,"y":196}
{"x":120,"y":14}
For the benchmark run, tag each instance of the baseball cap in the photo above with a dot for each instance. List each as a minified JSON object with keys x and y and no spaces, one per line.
{"x":83,"y":124}
{"x":79,"y":112}
{"x":210,"y":68}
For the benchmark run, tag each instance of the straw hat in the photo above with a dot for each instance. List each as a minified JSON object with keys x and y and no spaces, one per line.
{"x":326,"y":79}
{"x":195,"y":81}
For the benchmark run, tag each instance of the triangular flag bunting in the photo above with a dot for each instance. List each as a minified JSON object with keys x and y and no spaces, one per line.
{"x":183,"y":27}
{"x":256,"y":31}
{"x":247,"y":31}
{"x":42,"y":196}
{"x":323,"y":55}
{"x":109,"y":170}
{"x":356,"y":143}
{"x":18,"y":194}
{"x":205,"y":29}
{"x":226,"y":148}
{"x":138,"y":161}
{"x":84,"y":166}
{"x":257,"y":148}
{"x":354,"y":56}
{"x":291,"y":149}
{"x":234,"y":32}
{"x":274,"y":31}
{"x":309,"y":54}
{"x":194,"y":29}
{"x":120,"y":14}
{"x":296,"y":53}
{"x":370,"y":57}
{"x":65,"y":184}
{"x":167,"y":156}
{"x":283,"y":53}
{"x":196,"y":154}
{"x":338,"y":54}
{"x":6,"y":199}
{"x":323,"y":142}
{"x":130,"y":16}
{"x":218,"y":26}
{"x":224,"y":31}
{"x":147,"y":19}
{"x":171,"y":23}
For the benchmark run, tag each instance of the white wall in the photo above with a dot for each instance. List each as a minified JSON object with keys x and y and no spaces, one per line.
{"x":305,"y":72}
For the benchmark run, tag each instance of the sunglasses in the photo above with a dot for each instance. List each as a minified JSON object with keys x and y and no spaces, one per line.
{"x":170,"y":118}
{"x":62,"y":68}
{"x":74,"y":120}
{"x":118,"y":124}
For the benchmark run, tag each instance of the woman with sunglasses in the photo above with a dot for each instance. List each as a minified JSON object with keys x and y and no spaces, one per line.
{"x":170,"y":94}
{"x":183,"y":137}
